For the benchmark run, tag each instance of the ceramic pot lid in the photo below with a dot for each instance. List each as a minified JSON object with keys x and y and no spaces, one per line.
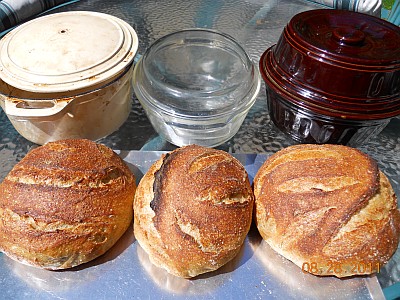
{"x":66,"y":51}
{"x":346,"y":37}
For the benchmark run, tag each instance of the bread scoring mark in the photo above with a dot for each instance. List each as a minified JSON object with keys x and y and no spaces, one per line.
{"x":269,"y":226}
{"x":193,"y":231}
{"x":188,"y":228}
{"x":28,"y":221}
{"x":306,"y":225}
{"x":98,"y":238}
{"x":309,"y":184}
{"x":207,"y":160}
{"x":95,"y":179}
{"x":159,"y":177}
{"x":107,"y":152}
{"x":231,"y":199}
{"x":36,"y":224}
{"x":59,"y":147}
{"x":108,"y":176}
{"x":377,"y":211}
{"x":300,"y":155}
{"x":223,"y":177}
{"x":44,"y":181}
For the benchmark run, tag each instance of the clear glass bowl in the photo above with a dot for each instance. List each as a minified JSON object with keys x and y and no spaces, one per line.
{"x":196,"y":86}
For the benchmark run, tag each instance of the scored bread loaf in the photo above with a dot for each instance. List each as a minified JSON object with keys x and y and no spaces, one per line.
{"x":64,"y":204}
{"x":328,"y":209}
{"x":193,"y":210}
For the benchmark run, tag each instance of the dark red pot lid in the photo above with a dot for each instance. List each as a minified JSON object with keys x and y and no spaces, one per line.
{"x":346,"y":37}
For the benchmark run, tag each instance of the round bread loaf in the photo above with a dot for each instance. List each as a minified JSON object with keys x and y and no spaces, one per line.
{"x":328,"y":209}
{"x":64,"y":204}
{"x":193,"y":210}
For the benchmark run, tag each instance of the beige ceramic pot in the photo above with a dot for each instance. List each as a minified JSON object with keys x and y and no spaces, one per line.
{"x":67,"y":75}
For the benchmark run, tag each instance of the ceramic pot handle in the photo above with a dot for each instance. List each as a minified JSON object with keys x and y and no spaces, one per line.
{"x":33,"y":108}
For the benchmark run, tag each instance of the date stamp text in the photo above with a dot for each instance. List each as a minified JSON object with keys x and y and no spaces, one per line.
{"x":341,"y":269}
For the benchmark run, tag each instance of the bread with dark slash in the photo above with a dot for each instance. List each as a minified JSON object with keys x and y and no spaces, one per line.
{"x":193,"y":210}
{"x":328,"y":205}
{"x":64,"y":204}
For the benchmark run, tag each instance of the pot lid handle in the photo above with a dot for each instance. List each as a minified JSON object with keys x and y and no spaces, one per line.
{"x":348,"y":36}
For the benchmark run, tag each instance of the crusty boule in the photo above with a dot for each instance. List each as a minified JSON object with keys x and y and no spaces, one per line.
{"x":328,"y":209}
{"x":193,"y":210}
{"x":64,"y":204}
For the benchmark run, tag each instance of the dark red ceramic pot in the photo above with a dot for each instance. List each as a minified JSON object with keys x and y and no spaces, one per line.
{"x":333,"y":76}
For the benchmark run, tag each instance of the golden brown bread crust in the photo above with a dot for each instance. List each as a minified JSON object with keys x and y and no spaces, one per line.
{"x":64,"y":204}
{"x":193,"y":210}
{"x":329,"y":206}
